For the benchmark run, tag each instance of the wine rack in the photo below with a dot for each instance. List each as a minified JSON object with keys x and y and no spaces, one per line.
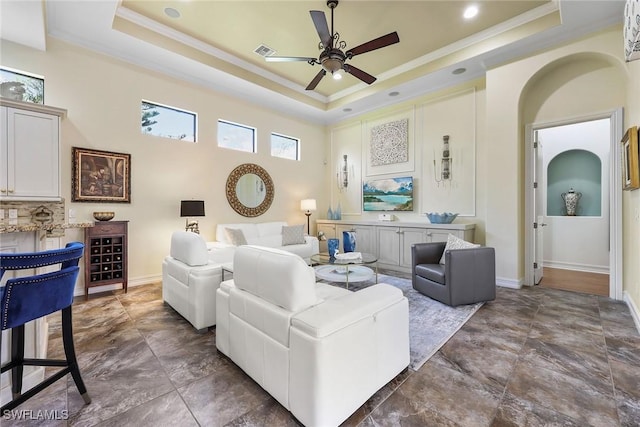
{"x":105,"y":255}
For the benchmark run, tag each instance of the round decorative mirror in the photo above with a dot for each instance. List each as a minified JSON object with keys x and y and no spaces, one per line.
{"x":249,"y":190}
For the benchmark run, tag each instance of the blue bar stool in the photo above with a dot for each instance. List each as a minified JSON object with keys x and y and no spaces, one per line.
{"x":31,"y":297}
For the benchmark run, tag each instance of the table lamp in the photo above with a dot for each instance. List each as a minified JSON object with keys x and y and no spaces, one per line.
{"x":190,"y":208}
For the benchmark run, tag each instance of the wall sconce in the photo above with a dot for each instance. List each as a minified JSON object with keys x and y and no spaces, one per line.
{"x":445,"y":163}
{"x":189,"y":208}
{"x":343,"y":174}
{"x":308,"y":205}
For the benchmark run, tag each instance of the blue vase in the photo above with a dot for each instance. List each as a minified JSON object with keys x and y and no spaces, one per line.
{"x":338,"y":213}
{"x":329,"y":213}
{"x":332,"y":246}
{"x":349,"y":241}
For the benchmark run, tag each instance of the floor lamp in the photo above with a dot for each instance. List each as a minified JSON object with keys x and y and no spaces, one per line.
{"x":308,"y":205}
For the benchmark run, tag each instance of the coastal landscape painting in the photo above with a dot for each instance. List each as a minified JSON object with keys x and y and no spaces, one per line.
{"x":389,"y":194}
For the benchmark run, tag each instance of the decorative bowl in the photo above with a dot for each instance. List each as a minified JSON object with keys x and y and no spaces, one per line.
{"x":441,"y":218}
{"x":104,"y":216}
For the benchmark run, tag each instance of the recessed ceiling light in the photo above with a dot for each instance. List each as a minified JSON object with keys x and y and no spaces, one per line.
{"x":459,"y":71}
{"x":171,"y":12}
{"x":394,"y":93}
{"x":347,"y":110}
{"x":470,"y":11}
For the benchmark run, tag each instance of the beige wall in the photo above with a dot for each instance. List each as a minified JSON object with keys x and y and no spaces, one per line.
{"x":103,"y":97}
{"x":580,"y":78}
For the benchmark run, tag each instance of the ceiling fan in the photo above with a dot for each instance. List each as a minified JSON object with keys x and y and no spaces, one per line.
{"x":332,"y":56}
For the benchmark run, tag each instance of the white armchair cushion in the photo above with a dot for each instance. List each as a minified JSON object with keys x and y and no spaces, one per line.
{"x":270,"y":228}
{"x":275,"y":275}
{"x":189,"y":248}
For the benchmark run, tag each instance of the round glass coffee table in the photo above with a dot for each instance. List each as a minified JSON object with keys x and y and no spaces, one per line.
{"x":345,"y":270}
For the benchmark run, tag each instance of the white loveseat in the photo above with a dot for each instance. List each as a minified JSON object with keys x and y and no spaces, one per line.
{"x":267,"y":234}
{"x":319,"y":350}
{"x":190,"y":279}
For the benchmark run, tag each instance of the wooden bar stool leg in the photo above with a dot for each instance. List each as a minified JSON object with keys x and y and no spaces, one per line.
{"x":70,"y":353}
{"x":17,"y":357}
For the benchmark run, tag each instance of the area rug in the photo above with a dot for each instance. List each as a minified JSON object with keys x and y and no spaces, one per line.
{"x":431,"y":323}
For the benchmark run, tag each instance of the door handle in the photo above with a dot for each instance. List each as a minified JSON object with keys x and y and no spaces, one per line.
{"x":544,"y":224}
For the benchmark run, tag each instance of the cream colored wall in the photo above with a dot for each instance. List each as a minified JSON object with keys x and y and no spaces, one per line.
{"x":568,"y":91}
{"x":459,"y":112}
{"x":631,"y":202}
{"x":103,"y":97}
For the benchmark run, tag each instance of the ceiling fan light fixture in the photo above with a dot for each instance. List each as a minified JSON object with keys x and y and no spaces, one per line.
{"x":337,"y":75}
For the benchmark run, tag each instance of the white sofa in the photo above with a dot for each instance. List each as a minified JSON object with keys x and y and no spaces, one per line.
{"x":190,"y":279}
{"x":267,"y":234}
{"x":319,"y":350}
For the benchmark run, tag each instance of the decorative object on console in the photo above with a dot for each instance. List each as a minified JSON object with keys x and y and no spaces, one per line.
{"x":100,"y":176}
{"x":445,"y":163}
{"x":571,"y":199}
{"x":349,"y":241}
{"x":190,"y":208}
{"x":390,"y":194}
{"x":632,"y":30}
{"x":332,"y":246}
{"x":630,"y":163}
{"x":321,"y":236}
{"x":441,"y":218}
{"x":308,"y":205}
{"x":104,"y":216}
{"x":389,"y":143}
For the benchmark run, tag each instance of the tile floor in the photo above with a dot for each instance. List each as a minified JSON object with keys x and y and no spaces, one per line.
{"x":534,"y":357}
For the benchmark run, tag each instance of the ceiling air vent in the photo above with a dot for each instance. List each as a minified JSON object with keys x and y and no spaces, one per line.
{"x":264,"y":50}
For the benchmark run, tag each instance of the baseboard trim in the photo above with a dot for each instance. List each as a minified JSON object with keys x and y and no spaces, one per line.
{"x":633,"y":308}
{"x":585,"y":268}
{"x":139,"y":281}
{"x":509,"y":283}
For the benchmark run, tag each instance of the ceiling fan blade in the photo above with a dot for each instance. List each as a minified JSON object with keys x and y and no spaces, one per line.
{"x":316,"y":80}
{"x":287,"y":59}
{"x":357,"y":72}
{"x":320,"y":21}
{"x":374,"y":44}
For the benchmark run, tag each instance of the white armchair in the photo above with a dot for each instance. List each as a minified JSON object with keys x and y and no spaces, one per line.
{"x":319,"y":350}
{"x":190,"y":279}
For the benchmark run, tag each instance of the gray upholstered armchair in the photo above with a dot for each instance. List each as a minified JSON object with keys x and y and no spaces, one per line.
{"x":467,"y":276}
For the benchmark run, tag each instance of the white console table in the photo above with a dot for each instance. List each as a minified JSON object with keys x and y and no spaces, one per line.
{"x":391,"y":241}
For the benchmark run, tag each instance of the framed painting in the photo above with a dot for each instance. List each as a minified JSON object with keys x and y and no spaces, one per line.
{"x":630,"y":166}
{"x":390,"y":194}
{"x":100,"y":176}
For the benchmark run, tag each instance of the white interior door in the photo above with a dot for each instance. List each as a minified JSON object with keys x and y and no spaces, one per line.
{"x":538,"y":207}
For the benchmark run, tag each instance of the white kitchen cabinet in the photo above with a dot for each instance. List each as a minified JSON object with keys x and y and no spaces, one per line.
{"x":29,"y":151}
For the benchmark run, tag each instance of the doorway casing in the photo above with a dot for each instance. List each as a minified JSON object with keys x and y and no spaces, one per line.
{"x":615,"y":197}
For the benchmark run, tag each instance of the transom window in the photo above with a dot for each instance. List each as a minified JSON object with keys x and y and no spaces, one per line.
{"x":284,"y":146}
{"x":236,"y":136}
{"x":167,"y":122}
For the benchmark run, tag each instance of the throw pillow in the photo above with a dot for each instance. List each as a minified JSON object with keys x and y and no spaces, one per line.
{"x":235,"y":236}
{"x":293,"y":235}
{"x":454,"y":242}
